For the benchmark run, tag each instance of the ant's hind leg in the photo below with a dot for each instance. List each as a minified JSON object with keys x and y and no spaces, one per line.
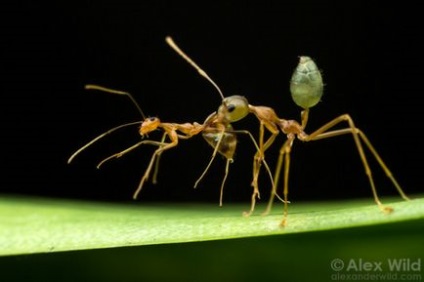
{"x":358,"y":135}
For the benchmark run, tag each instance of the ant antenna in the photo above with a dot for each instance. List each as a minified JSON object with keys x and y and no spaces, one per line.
{"x":112,"y":91}
{"x":177,"y":49}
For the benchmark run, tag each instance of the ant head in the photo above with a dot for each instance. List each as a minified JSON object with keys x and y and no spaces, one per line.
{"x":149,"y":124}
{"x":233,"y":108}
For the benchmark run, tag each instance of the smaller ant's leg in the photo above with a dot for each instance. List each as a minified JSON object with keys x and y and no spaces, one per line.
{"x":258,"y":156}
{"x":120,"y":154}
{"x":156,"y":171}
{"x":146,"y":174}
{"x":163,"y":147}
{"x":100,"y":137}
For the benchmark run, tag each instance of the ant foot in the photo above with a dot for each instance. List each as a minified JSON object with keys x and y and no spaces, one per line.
{"x":247,"y":214}
{"x":266,"y":212}
{"x":386,"y":209}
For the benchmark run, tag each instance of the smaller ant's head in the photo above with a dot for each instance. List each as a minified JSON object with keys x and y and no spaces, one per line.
{"x":149,"y":124}
{"x":233,"y":108}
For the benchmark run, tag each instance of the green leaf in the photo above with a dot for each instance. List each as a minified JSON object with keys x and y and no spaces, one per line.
{"x":32,"y":225}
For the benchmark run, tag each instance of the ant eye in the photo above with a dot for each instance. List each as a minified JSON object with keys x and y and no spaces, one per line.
{"x":234,"y":108}
{"x":151,"y":118}
{"x":231,"y":108}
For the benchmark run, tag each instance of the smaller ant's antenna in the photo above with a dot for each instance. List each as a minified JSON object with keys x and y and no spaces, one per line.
{"x":113,"y":91}
{"x":177,"y":49}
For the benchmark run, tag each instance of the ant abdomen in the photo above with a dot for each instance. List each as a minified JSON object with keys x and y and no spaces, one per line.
{"x":306,"y":84}
{"x":226,"y":142}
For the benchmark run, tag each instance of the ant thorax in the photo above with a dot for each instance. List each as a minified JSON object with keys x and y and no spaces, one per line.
{"x":290,"y":127}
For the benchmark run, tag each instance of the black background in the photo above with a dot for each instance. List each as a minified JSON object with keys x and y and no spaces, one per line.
{"x":368,"y":52}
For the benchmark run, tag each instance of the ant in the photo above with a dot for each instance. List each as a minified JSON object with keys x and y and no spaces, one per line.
{"x":306,"y":87}
{"x":223,"y":139}
{"x":216,"y":130}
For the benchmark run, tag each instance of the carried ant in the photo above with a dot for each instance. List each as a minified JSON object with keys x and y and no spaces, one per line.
{"x":216,"y":130}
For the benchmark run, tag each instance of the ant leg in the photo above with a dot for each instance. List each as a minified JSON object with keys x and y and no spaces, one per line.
{"x":120,"y":154}
{"x":280,"y":163}
{"x":163,"y":147}
{"x":258,"y":159}
{"x":156,"y":171}
{"x":253,"y":202}
{"x":287,"y":149}
{"x":383,"y":165}
{"x":227,"y":166}
{"x":100,"y":137}
{"x":283,"y":159}
{"x":358,"y":135}
{"x":260,"y":153}
{"x":221,"y":137}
